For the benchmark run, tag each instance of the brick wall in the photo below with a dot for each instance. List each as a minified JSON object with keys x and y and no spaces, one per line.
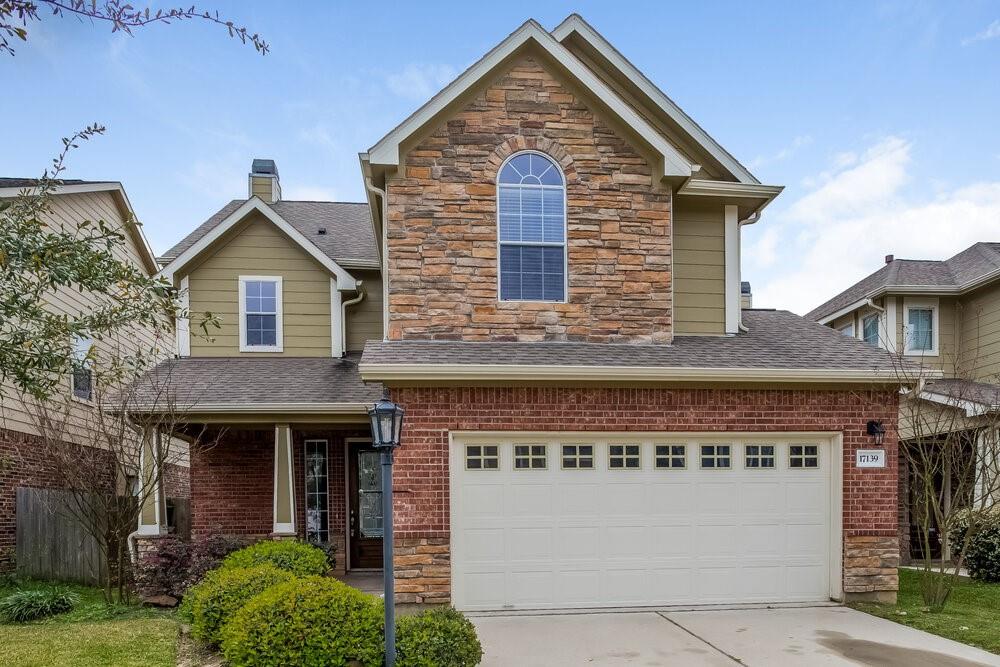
{"x":442,"y":224}
{"x":869,"y":507}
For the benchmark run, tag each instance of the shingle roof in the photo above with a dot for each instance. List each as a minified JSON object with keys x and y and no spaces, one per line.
{"x":349,"y":237}
{"x":966,"y":390}
{"x":32,"y":182}
{"x":972,"y":263}
{"x":775,"y":339}
{"x":190,"y":382}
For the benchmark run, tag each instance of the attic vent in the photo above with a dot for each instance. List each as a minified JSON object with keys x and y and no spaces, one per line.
{"x":321,"y":231}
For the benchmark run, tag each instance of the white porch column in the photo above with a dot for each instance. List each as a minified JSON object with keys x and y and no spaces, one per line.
{"x":153,"y":510}
{"x":284,"y":489}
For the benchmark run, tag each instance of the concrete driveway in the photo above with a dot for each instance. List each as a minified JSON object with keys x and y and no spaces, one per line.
{"x":826,"y":635}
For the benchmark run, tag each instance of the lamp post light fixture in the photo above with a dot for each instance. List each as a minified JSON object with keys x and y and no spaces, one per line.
{"x":387,"y":423}
{"x":877,"y":431}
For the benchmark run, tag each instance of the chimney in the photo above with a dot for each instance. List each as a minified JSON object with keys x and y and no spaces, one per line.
{"x":264,"y":180}
{"x":889,"y":258}
{"x":746,"y":297}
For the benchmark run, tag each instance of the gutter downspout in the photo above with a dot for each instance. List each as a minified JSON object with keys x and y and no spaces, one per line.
{"x":754,"y":217}
{"x":343,"y":313}
{"x":384,"y":255}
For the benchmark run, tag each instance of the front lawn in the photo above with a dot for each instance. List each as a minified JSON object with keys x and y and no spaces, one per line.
{"x":970,"y":616}
{"x":93,"y":634}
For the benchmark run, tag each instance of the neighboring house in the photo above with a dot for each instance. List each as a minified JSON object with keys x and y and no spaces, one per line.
{"x":943,"y":315}
{"x":21,"y":455}
{"x":591,"y":418}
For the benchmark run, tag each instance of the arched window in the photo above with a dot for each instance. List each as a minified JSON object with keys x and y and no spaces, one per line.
{"x":531,"y":212}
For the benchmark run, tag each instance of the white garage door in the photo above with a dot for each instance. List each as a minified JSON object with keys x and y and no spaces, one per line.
{"x":571,"y":522}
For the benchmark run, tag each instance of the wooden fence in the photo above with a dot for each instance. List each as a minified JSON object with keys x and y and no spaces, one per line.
{"x":51,"y":542}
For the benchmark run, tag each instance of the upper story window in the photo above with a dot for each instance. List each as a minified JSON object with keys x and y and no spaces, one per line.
{"x":82,"y":378}
{"x":869,"y":329}
{"x":847,"y":329}
{"x":531,"y":215}
{"x":921,"y":322}
{"x":260,"y":314}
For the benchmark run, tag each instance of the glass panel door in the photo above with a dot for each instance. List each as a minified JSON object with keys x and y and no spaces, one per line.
{"x":370,"y":493}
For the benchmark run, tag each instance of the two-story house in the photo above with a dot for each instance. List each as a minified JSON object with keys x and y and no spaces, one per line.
{"x":944,"y":316}
{"x":71,"y":410}
{"x":547,"y":277}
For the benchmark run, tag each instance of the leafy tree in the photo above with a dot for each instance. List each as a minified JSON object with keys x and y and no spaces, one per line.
{"x":39,"y":259}
{"x":15,"y":16}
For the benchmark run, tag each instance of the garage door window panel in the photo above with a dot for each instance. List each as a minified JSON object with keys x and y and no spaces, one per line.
{"x":530,"y":457}
{"x":716,"y":457}
{"x":759,"y":456}
{"x":624,"y":457}
{"x":803,"y":456}
{"x":578,"y":457}
{"x":482,"y":457}
{"x":671,"y":457}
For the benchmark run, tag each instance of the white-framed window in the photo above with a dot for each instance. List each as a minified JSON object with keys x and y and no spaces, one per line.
{"x":921,"y":327}
{"x":482,"y":457}
{"x":260,"y":314}
{"x":531,"y":229}
{"x":803,"y":456}
{"x":529,"y":457}
{"x":758,"y":456}
{"x":624,"y":457}
{"x":847,"y":329}
{"x":578,"y":457}
{"x":716,"y":457}
{"x":669,"y":456}
{"x":869,"y":329}
{"x":82,"y":371}
{"x":317,"y":491}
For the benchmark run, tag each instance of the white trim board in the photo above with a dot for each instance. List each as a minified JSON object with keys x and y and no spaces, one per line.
{"x":345,"y":281}
{"x":386,"y":151}
{"x":574,"y":23}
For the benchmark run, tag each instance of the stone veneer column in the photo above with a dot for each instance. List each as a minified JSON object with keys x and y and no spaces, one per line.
{"x":423,"y":570}
{"x":870,"y":564}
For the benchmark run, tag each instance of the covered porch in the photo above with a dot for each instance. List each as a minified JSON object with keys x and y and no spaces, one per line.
{"x":303,"y":468}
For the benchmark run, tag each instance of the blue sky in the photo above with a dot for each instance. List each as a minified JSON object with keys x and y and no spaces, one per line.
{"x":879,"y":117}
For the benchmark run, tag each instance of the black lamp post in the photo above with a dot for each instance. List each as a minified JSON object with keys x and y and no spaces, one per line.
{"x":387,"y":422}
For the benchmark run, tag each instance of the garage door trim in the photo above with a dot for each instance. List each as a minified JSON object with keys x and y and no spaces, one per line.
{"x":835,"y":464}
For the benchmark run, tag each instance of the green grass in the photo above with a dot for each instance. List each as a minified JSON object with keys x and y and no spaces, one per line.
{"x":973,"y":606}
{"x":93,"y":634}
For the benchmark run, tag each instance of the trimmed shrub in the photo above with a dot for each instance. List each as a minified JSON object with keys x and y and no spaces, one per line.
{"x":208,"y":553}
{"x":29,"y":605}
{"x":299,"y":558}
{"x":311,"y":621}
{"x":437,"y":638}
{"x":163,"y":570}
{"x":223,"y":592}
{"x":983,"y":555}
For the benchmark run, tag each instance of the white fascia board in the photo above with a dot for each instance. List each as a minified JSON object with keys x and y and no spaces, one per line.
{"x":971,"y":408}
{"x":707,"y":188}
{"x":826,"y":319}
{"x":114,"y":187}
{"x":475,"y":372}
{"x":345,"y":281}
{"x":386,"y":151}
{"x":575,"y":23}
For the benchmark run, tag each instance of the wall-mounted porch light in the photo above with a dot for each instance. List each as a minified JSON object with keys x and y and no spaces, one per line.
{"x":877,"y":431}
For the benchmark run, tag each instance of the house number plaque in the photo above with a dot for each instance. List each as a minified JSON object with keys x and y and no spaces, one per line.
{"x":869,"y":458}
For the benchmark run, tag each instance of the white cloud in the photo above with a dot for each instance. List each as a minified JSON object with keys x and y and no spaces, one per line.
{"x":783,"y":154}
{"x":219,"y":179}
{"x":420,"y":81}
{"x":834,"y":235}
{"x":992,"y":31}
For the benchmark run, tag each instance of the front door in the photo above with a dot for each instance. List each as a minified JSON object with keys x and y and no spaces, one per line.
{"x":366,"y":508}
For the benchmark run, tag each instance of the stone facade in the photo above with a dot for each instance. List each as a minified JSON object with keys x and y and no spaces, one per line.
{"x":870,"y":567}
{"x":422,"y":473}
{"x":423,"y":570}
{"x":442,"y":238}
